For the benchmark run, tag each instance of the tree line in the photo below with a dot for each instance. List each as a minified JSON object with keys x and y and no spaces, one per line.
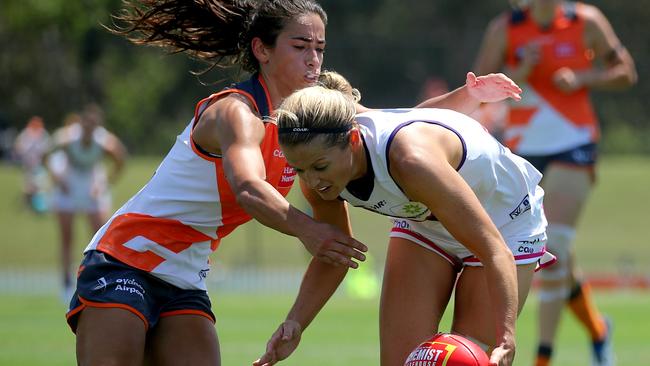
{"x":56,"y":56}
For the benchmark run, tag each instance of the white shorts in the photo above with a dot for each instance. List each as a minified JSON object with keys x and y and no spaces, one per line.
{"x":526,"y":249}
{"x":87,"y":192}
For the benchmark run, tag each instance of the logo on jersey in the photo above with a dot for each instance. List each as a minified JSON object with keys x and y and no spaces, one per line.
{"x":523,"y":206}
{"x":101,"y":284}
{"x":411,"y":210}
{"x":130,"y":285}
{"x":401,"y":224}
{"x":287,"y":178}
{"x":565,"y":49}
{"x":530,"y":242}
{"x":203,"y":274}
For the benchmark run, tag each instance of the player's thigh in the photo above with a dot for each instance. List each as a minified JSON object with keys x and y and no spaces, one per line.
{"x":183,"y":340}
{"x":416,"y":288}
{"x":110,"y":336}
{"x":566,"y":191}
{"x":473,"y":309}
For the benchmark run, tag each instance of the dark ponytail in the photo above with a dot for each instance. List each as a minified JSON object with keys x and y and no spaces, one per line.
{"x":216,"y":31}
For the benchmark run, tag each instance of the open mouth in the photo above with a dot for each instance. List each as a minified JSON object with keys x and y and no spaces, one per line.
{"x":312,"y":77}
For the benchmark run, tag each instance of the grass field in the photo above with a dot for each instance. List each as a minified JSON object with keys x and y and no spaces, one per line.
{"x":34,"y":332}
{"x":611,"y":236}
{"x":611,"y":239}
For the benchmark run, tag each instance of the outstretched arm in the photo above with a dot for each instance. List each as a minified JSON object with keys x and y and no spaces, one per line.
{"x":230,"y":128}
{"x":319,"y":283}
{"x":477,"y":89}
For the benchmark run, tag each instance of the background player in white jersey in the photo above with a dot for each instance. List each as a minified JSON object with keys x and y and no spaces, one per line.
{"x":467,"y":217}
{"x":81,"y":182}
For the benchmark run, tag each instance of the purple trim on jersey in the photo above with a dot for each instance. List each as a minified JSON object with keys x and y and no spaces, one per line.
{"x":392,"y":136}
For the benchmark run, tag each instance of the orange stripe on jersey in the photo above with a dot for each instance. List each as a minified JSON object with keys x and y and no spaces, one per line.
{"x":512,"y":143}
{"x":521,"y":116}
{"x":167,"y":233}
{"x":209,"y":100}
{"x":233,"y":214}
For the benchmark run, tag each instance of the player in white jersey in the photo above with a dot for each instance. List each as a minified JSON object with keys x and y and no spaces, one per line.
{"x":81,"y":183}
{"x":451,"y":189}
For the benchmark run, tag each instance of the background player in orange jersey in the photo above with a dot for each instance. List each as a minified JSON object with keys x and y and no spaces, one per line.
{"x":557,"y":51}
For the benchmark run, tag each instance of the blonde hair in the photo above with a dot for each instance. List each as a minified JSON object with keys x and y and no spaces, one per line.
{"x":316,"y":111}
{"x":335,"y":81}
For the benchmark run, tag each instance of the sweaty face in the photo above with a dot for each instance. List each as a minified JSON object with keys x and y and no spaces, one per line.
{"x":326,"y":170}
{"x":296,"y":59}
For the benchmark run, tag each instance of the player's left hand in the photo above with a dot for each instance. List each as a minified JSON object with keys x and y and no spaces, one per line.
{"x":502,"y":355}
{"x":492,"y":87}
{"x":566,"y":80}
{"x":282,"y":343}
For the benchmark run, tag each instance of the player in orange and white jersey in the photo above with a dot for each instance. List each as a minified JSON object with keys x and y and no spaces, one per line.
{"x":558,"y":51}
{"x":141,"y":281}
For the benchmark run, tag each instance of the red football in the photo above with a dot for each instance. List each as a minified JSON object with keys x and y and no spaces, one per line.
{"x":444,"y":349}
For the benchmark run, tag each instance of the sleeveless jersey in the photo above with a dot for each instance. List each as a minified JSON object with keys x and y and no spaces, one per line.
{"x":547,"y":121}
{"x":179,"y":217}
{"x":80,"y":165}
{"x":504,"y":183}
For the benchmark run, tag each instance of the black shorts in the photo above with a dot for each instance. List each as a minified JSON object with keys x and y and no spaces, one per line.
{"x":106,"y":282}
{"x":581,"y":156}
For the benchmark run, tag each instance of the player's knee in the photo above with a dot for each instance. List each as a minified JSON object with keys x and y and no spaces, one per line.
{"x":560,"y":241}
{"x":554,"y":293}
{"x":556,"y":279}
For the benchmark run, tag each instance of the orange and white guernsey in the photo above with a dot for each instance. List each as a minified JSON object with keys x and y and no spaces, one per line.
{"x":179,"y":217}
{"x":547,"y":121}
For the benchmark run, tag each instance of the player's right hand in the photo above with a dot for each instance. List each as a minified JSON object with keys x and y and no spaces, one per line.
{"x":329,"y":245}
{"x":282,"y":343}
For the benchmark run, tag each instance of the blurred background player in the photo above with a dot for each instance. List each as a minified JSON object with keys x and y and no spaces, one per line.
{"x":81,"y":182}
{"x":557,"y":51}
{"x":29,"y":147}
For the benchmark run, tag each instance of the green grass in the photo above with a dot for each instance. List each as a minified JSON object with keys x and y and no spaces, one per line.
{"x":611,"y":235}
{"x":611,"y":238}
{"x":34,"y":332}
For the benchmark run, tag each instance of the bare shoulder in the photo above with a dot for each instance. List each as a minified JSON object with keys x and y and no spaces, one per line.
{"x":593,"y":16}
{"x":419,"y":143}
{"x":226,"y":120}
{"x":498,"y":25}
